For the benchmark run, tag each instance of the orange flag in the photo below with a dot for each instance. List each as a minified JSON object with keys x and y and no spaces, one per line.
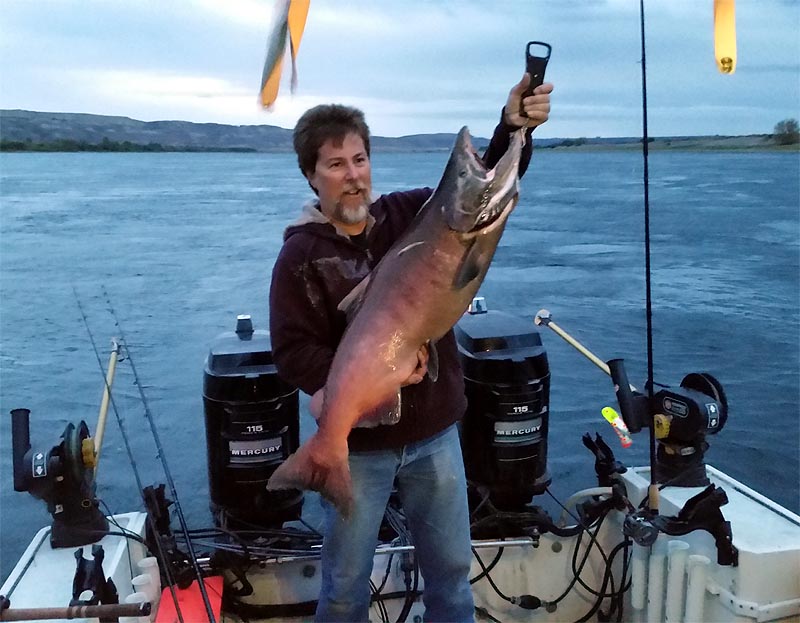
{"x":289,"y":20}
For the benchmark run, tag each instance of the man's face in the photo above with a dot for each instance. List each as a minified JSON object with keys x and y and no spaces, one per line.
{"x":343,"y":180}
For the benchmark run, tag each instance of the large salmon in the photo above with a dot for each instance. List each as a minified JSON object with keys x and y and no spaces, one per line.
{"x":415,"y":294}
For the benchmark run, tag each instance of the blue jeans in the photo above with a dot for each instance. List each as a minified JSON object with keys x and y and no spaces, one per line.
{"x":432,"y":489}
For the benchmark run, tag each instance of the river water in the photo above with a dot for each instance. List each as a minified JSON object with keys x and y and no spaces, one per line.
{"x":182,"y":243}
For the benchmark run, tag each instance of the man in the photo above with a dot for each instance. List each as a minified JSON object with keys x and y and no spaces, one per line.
{"x":338,"y":239}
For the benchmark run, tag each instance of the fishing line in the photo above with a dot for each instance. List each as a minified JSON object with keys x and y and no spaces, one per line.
{"x":167,"y":473}
{"x":129,"y":450}
{"x":648,"y":297}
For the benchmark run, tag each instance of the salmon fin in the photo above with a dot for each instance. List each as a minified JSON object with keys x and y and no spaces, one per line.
{"x":351,"y":303}
{"x":433,"y":361}
{"x":470,"y":266}
{"x":316,"y":467}
{"x":385,"y":414}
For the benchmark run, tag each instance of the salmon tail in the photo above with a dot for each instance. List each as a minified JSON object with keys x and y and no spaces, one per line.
{"x":316,"y":466}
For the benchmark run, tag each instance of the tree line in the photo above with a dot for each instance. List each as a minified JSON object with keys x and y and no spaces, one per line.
{"x":72,"y":145}
{"x":786,"y":132}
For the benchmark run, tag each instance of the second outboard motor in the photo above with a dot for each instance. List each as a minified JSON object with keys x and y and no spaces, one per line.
{"x":252,"y":426}
{"x":504,"y":432}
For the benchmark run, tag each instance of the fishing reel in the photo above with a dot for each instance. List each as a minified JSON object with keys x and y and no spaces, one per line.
{"x":63,"y":477}
{"x":681,"y":418}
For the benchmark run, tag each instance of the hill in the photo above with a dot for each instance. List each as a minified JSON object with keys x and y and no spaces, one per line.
{"x":22,"y":130}
{"x":51,"y":127}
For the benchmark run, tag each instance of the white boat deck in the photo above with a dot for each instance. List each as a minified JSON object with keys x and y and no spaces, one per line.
{"x":765,"y":586}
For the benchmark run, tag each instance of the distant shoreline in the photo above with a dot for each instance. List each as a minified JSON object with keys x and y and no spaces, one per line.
{"x":24,"y":131}
{"x":68,"y":146}
{"x":654,"y":145}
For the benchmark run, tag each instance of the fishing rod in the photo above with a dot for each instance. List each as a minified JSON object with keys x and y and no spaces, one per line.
{"x":678,"y":418}
{"x":126,"y":442}
{"x":653,"y":489}
{"x":167,"y":473}
{"x":161,"y":455}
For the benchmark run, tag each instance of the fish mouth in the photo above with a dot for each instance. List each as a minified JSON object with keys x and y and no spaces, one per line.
{"x":489,"y":194}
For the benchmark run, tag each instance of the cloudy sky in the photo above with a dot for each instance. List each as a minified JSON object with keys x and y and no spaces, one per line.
{"x":413,"y":65}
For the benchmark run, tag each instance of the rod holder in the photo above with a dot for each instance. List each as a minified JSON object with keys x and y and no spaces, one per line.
{"x":20,"y":444}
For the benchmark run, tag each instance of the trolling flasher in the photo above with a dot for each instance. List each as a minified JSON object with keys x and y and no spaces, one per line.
{"x":725,"y":35}
{"x":289,"y":20}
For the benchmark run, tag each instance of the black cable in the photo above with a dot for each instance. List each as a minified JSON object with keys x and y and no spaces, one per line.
{"x":378,"y":600}
{"x":617,"y":598}
{"x":575,"y":574}
{"x":491,"y":566}
{"x":386,"y":575}
{"x":626,"y":560}
{"x":581,"y":527}
{"x":237,"y":539}
{"x":609,"y":561}
{"x":608,"y":575}
{"x":503,"y":519}
{"x":123,"y":533}
{"x":489,"y":577}
{"x":275,"y":533}
{"x":578,"y":570}
{"x":593,"y":542}
{"x":580,"y":523}
{"x":397,"y":521}
{"x":411,"y":592}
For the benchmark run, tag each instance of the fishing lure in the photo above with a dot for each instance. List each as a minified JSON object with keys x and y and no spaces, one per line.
{"x":613,"y":418}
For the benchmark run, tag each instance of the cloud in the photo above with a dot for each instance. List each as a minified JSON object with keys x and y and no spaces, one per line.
{"x":246,"y":13}
{"x":411,"y":65}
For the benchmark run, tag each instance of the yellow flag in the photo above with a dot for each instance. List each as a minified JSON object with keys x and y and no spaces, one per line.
{"x":725,"y":35}
{"x":289,"y":19}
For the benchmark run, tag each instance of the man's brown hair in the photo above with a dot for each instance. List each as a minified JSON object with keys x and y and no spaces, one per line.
{"x":326,"y":122}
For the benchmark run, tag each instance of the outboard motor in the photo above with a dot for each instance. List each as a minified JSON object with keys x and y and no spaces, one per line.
{"x":504,"y":431}
{"x":252,"y":426}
